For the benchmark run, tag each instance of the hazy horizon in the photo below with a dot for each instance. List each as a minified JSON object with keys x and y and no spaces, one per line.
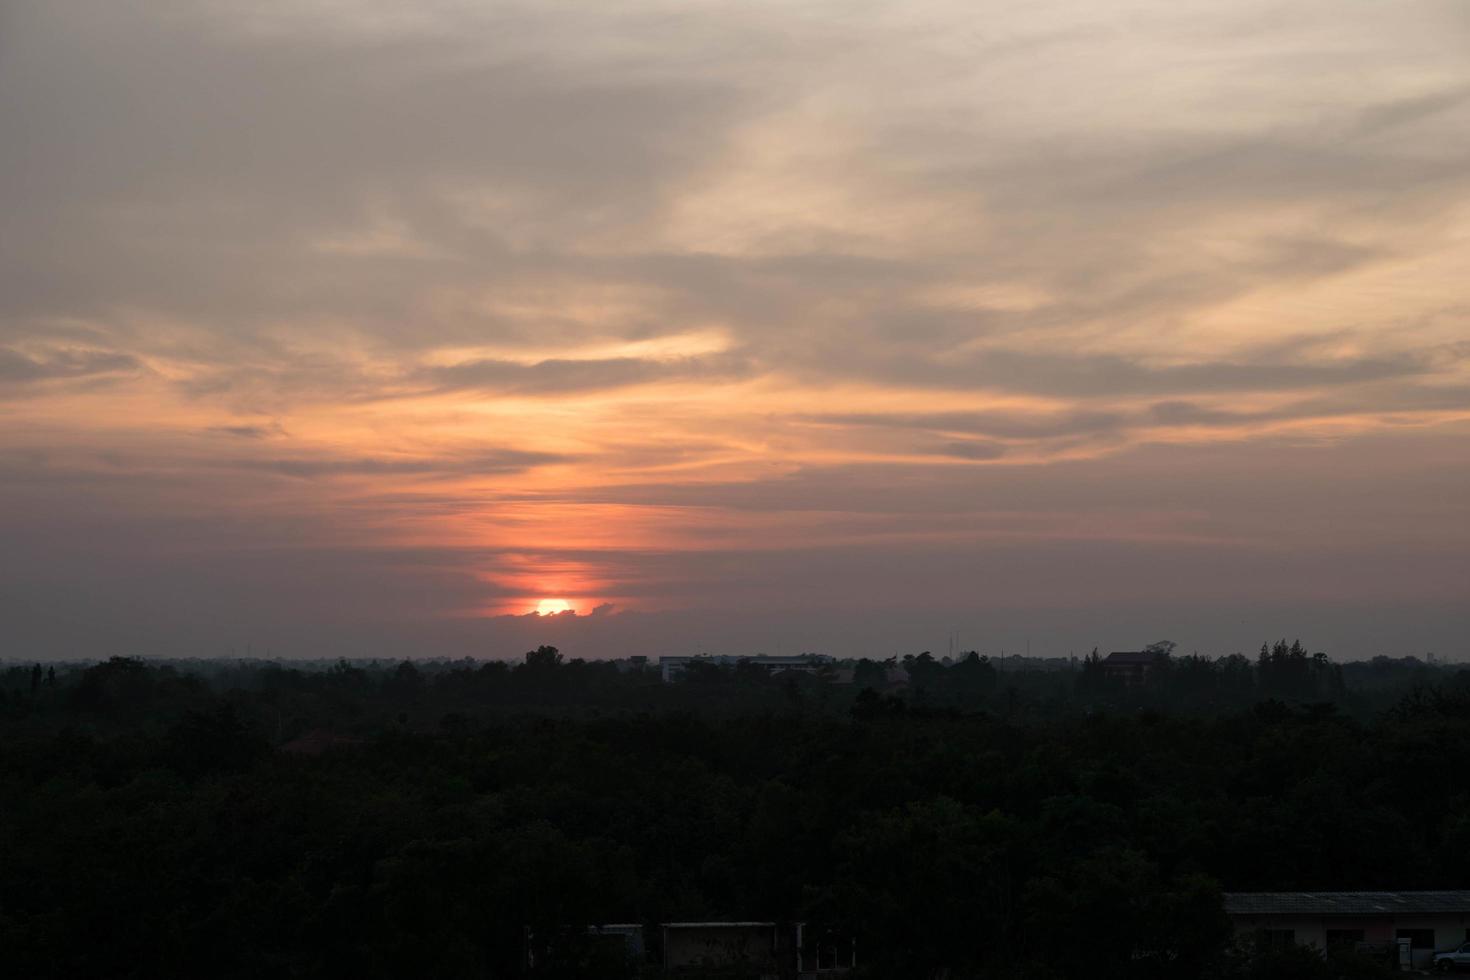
{"x":340,"y":327}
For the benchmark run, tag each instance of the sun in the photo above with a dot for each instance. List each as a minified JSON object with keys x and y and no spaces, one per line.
{"x":550,"y":607}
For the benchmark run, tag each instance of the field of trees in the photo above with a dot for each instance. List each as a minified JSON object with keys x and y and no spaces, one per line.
{"x":364,"y":820}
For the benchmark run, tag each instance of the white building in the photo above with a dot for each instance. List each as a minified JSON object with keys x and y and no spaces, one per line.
{"x":1423,"y":921}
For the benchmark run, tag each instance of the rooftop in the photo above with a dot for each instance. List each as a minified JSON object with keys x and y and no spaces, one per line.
{"x":800,"y":659}
{"x":1346,"y":903}
{"x":1130,"y":657}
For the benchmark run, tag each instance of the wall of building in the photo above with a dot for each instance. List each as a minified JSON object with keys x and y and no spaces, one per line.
{"x":691,"y":946}
{"x":1450,"y":930}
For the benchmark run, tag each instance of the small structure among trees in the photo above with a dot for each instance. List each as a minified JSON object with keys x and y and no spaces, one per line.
{"x":1135,"y":668}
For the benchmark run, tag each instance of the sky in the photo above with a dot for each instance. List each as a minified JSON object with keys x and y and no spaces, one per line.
{"x":356,"y":327}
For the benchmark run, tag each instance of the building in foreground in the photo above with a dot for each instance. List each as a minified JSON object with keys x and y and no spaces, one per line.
{"x":1421,"y":922}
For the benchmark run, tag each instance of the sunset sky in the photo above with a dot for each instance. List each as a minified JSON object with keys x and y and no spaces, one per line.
{"x":364,"y":327}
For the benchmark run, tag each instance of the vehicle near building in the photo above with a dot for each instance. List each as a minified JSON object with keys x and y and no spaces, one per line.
{"x":1455,"y":959}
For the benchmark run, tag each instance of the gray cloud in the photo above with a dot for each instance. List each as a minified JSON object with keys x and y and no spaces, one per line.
{"x":999,"y":425}
{"x":486,"y":464}
{"x":1399,"y":112}
{"x":247,"y":431}
{"x":557,"y":376}
{"x":19,"y":368}
{"x":972,"y":450}
{"x":225,"y":157}
{"x":1079,"y":376}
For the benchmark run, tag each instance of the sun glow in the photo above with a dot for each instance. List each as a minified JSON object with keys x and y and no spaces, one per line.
{"x":550,"y":607}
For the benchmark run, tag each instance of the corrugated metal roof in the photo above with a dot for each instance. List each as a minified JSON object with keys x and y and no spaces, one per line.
{"x":1346,"y":903}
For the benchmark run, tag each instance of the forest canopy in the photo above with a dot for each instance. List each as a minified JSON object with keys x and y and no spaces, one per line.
{"x":374,"y":819}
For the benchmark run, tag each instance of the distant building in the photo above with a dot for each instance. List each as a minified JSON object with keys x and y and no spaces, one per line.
{"x":775,"y":950}
{"x":1133,"y":668}
{"x":1418,"y":922}
{"x":766,"y":949}
{"x":806,"y":663}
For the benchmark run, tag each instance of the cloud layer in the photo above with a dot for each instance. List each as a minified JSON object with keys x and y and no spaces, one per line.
{"x":368,"y":326}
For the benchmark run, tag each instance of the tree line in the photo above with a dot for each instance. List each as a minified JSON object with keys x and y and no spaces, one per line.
{"x":174,"y":820}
